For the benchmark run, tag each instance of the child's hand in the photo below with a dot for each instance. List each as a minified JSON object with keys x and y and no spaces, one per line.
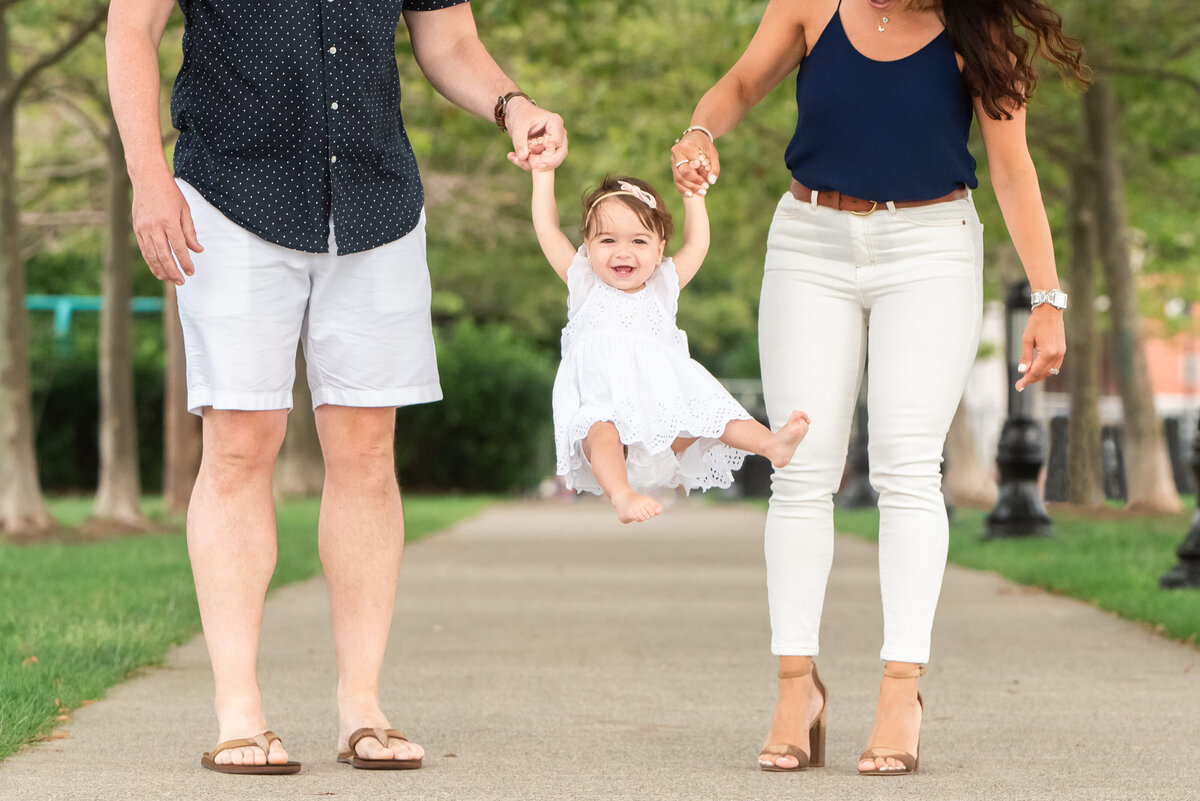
{"x":542,"y":152}
{"x":701,"y":164}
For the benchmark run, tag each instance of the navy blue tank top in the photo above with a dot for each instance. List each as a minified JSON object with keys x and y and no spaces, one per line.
{"x":881,"y":130}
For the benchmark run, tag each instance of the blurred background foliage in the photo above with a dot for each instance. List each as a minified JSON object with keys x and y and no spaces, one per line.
{"x":625,"y":77}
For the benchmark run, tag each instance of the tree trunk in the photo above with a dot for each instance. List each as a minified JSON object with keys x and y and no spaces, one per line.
{"x":1085,"y":472}
{"x":182,"y":436}
{"x":300,"y":470}
{"x":1151,"y":485}
{"x":118,"y":497}
{"x":967,"y":481}
{"x":22,"y":508}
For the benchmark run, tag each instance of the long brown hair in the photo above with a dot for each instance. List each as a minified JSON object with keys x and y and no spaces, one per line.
{"x":997,"y":60}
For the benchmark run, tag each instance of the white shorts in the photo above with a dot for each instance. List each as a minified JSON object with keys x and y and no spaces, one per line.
{"x":363,"y":320}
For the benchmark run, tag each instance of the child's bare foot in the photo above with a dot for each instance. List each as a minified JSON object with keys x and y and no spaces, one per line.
{"x":635,"y":508}
{"x":784,"y":441}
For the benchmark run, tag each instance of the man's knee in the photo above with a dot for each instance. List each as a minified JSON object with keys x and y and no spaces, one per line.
{"x":358,"y":442}
{"x":242,"y":442}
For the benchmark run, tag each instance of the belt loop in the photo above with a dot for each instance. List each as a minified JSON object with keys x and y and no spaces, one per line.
{"x":891,"y":204}
{"x":813,"y":199}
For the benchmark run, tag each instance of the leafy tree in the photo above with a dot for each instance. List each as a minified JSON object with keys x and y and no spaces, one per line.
{"x":66,"y":26}
{"x":1111,"y":146}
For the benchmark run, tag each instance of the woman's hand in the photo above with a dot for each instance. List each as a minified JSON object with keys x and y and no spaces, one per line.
{"x":694,"y":163}
{"x":1044,"y":333}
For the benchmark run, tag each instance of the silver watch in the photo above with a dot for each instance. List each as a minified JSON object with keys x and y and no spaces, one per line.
{"x":1055,"y":297}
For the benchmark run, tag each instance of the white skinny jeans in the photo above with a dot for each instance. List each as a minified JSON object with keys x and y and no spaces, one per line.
{"x":902,"y":287}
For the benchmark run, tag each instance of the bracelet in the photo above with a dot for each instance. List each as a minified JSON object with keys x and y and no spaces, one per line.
{"x":701,"y":129}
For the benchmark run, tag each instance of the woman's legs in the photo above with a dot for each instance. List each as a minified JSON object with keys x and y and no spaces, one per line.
{"x":604,"y":451}
{"x":925,"y":315}
{"x":811,"y":343}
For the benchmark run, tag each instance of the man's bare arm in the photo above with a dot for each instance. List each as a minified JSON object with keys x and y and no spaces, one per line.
{"x":448,"y":50}
{"x":161,"y":218}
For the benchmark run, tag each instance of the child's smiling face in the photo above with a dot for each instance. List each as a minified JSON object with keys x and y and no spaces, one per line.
{"x":622,"y":250}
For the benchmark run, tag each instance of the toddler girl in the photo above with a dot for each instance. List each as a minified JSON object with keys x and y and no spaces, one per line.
{"x":632,"y":411}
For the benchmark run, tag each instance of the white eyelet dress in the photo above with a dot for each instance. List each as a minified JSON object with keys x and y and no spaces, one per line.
{"x":625,"y":361}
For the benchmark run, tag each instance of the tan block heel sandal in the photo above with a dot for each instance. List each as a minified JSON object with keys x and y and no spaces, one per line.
{"x":815,"y":758}
{"x":909,"y":761}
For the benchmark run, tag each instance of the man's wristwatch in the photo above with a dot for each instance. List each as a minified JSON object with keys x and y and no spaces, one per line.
{"x":1055,"y":297}
{"x":502,"y":107}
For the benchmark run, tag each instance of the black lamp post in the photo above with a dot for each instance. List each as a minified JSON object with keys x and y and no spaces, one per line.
{"x":1187,"y":572}
{"x":1019,"y":511}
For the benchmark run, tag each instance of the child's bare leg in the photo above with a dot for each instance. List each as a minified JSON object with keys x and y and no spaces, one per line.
{"x":681,"y":444}
{"x":753,"y":436}
{"x":604,"y":450}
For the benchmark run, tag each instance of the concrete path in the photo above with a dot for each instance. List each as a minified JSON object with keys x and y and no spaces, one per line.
{"x":546,"y":652}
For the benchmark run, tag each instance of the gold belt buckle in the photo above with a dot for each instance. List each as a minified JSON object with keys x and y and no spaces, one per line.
{"x":874,"y":205}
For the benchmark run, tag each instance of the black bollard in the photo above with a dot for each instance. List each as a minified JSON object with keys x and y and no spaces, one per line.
{"x":1019,"y":511}
{"x":1187,"y":572}
{"x":1058,"y":483}
{"x":1112,"y":459}
{"x":753,"y":478}
{"x":1176,"y":448}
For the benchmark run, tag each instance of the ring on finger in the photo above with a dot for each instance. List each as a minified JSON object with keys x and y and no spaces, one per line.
{"x":1053,"y":371}
{"x":681,"y":162}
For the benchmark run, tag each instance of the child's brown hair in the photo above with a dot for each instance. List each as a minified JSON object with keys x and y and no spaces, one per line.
{"x":657,"y":219}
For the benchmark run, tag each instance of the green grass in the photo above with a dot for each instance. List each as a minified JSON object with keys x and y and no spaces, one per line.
{"x":77,"y":618}
{"x":1111,"y":561}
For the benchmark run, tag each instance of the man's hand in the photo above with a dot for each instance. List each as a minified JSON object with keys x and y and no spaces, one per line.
{"x":539,"y":136}
{"x":165,"y":234}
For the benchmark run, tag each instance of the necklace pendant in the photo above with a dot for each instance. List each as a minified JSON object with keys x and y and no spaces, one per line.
{"x":882,"y":22}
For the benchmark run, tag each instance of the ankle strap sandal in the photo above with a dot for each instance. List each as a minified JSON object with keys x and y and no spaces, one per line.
{"x":908,"y":762}
{"x":815,"y":758}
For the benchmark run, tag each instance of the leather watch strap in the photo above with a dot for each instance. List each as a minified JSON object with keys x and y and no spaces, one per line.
{"x":501,"y":109}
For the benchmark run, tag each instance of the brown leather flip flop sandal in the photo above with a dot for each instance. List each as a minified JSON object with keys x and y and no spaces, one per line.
{"x":352,"y":758}
{"x":262,"y":741}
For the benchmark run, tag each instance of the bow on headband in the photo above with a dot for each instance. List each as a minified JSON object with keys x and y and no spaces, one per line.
{"x":626,"y":189}
{"x":639,"y":193}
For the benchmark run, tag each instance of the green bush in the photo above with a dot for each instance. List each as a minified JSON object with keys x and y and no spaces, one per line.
{"x":493,"y":431}
{"x":66,"y":407}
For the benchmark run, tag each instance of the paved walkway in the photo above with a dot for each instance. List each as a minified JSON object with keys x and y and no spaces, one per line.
{"x":546,"y":652}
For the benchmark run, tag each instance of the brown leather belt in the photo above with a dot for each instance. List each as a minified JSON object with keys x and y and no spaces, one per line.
{"x":856,"y":205}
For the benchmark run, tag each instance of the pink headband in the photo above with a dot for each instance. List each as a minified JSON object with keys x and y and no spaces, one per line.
{"x":626,"y":189}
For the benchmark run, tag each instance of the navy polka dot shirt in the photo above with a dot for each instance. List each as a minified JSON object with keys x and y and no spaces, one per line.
{"x":289,"y":112}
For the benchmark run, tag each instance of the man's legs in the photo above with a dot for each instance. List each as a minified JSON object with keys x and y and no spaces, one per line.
{"x":231,"y":542}
{"x":361,"y":542}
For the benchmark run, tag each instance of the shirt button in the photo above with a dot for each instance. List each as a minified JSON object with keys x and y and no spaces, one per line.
{"x":333,"y":51}
{"x":333,"y":159}
{"x":333,"y":105}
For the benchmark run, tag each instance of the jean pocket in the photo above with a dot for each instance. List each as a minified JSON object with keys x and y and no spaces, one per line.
{"x":940,"y":215}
